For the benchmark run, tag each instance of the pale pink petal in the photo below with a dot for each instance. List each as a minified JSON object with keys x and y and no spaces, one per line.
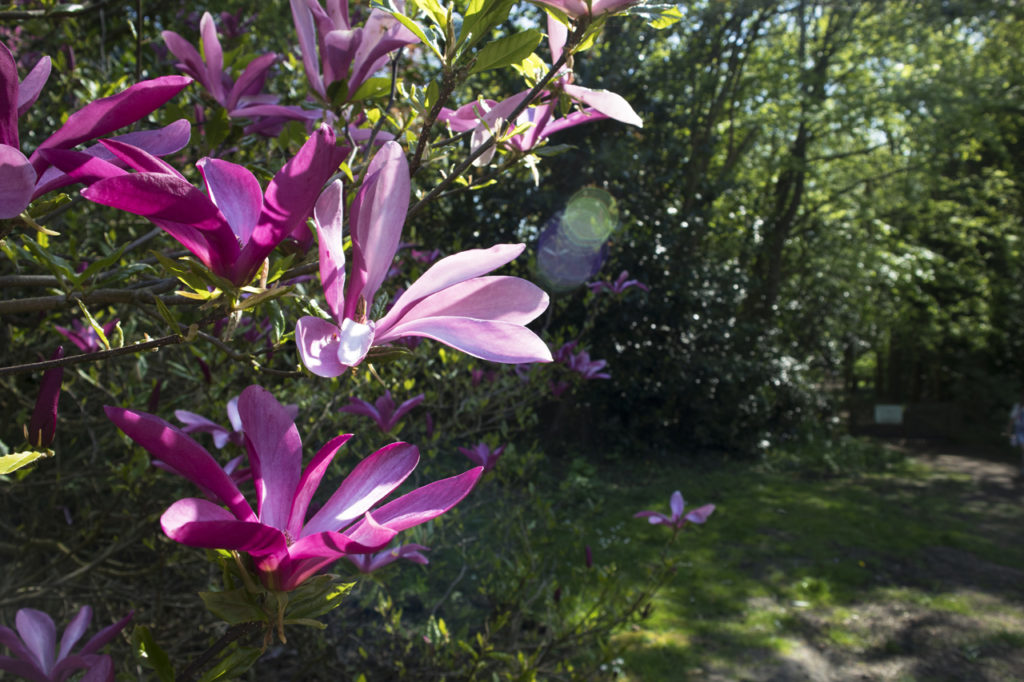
{"x":328,"y":217}
{"x":372,"y":480}
{"x":653,"y":517}
{"x":377,"y":217}
{"x":318,"y":341}
{"x":489,"y":340}
{"x":608,"y":103}
{"x":557,"y":35}
{"x":275,"y":453}
{"x":504,"y":299}
{"x":451,"y":270}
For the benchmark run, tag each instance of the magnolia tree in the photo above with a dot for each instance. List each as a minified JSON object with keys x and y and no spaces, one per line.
{"x":296,"y":278}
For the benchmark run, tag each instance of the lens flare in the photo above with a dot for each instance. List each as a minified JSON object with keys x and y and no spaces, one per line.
{"x":572,"y":245}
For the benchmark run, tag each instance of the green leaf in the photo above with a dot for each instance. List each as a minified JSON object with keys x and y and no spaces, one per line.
{"x":9,"y":463}
{"x":150,"y":654}
{"x":433,"y":9}
{"x":480,"y":19}
{"x":233,"y":665}
{"x":508,"y":50}
{"x":372,"y":89}
{"x":261,"y":296}
{"x":417,"y":31}
{"x":233,"y":606}
{"x":316,"y":596}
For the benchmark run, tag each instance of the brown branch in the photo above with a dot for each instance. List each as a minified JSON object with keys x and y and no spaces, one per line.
{"x":93,"y":357}
{"x":96,"y":296}
{"x":53,"y":13}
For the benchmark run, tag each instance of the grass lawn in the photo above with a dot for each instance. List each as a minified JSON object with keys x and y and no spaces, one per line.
{"x":911,"y":574}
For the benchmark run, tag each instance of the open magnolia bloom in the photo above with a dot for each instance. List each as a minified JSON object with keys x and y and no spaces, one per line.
{"x":677,"y":519}
{"x":235,"y":225}
{"x":451,"y":302}
{"x":23,"y":179}
{"x":36,"y":655}
{"x":286,"y":548}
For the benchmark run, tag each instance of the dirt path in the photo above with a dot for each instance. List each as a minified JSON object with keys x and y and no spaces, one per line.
{"x":947,"y":615}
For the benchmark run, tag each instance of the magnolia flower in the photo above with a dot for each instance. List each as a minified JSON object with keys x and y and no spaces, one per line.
{"x":368,"y":563}
{"x":37,"y":658}
{"x":450,"y":302}
{"x":580,"y":362}
{"x":287,"y":548}
{"x":84,"y":336}
{"x":22,"y":178}
{"x":43,"y":425}
{"x":587,"y":8}
{"x":348,"y":55}
{"x":242,"y":98}
{"x":383,"y":411}
{"x":677,"y":520}
{"x":235,"y":225}
{"x":486,"y":116}
{"x":619,"y":285}
{"x":194,"y":423}
{"x":482,"y":454}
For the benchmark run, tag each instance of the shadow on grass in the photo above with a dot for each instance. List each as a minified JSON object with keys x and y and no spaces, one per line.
{"x":917,"y":574}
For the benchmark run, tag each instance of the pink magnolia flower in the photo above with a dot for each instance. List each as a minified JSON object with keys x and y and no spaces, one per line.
{"x":451,"y":302}
{"x":23,"y":179}
{"x":383,"y":410}
{"x":37,"y":657}
{"x":580,"y":362}
{"x":486,"y":116}
{"x":587,"y":8}
{"x":482,"y":454}
{"x":42,"y":427}
{"x":347,"y":54}
{"x":619,"y":286}
{"x":84,"y":336}
{"x":243,"y":97}
{"x":287,"y":548}
{"x":235,"y":225}
{"x":677,"y":520}
{"x":368,"y":563}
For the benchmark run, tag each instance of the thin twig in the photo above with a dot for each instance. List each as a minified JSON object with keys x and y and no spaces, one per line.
{"x":93,"y":357}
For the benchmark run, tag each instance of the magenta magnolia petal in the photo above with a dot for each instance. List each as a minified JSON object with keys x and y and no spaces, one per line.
{"x":110,"y":113}
{"x":155,"y":195}
{"x":306,"y":28}
{"x":291,"y":195}
{"x":194,"y":423}
{"x":181,"y":453}
{"x":17,"y":182}
{"x":252,"y":78}
{"x":43,"y":425}
{"x":311,"y":478}
{"x":318,"y":342}
{"x":214,"y":56}
{"x":140,"y":159}
{"x":201,"y":523}
{"x":236,"y":192}
{"x":22,"y":668}
{"x":583,"y":8}
{"x":28,"y":91}
{"x":275,"y":453}
{"x":676,"y":504}
{"x":192,"y":62}
{"x":486,"y":339}
{"x":378,"y":214}
{"x":79,"y":166}
{"x":101,"y":671}
{"x":372,"y":480}
{"x":104,"y":636}
{"x":608,"y":103}
{"x":9,"y":85}
{"x":423,"y":504}
{"x":333,"y":545}
{"x":39,"y":634}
